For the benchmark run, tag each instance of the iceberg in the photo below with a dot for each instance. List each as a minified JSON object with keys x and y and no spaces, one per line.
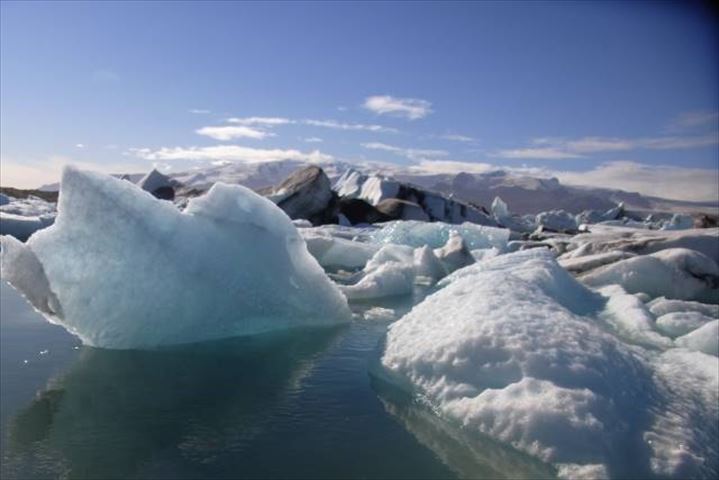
{"x":677,"y":273}
{"x":436,"y":234}
{"x":21,"y":227}
{"x":515,"y":349}
{"x":126,"y":270}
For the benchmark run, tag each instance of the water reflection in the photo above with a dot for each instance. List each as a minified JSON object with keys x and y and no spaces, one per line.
{"x":467,"y":454}
{"x":139,"y":413}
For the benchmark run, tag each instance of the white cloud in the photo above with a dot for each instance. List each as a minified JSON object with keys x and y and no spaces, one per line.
{"x":539,"y":153}
{"x":79,"y":145}
{"x":453,"y":137}
{"x":410,"y":108}
{"x":230,"y":153}
{"x":560,"y":149}
{"x":411,"y":153}
{"x":230,"y":132}
{"x":313,"y":140}
{"x":334,"y":124}
{"x":694,"y":119}
{"x":262,"y":121}
{"x":199,"y":111}
{"x":451,"y":167}
{"x":693,"y":184}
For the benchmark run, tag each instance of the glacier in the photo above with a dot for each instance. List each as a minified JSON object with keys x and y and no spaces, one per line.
{"x":121,"y":269}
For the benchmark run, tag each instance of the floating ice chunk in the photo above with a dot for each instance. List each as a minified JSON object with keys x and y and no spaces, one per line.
{"x":395,"y":269}
{"x":335,"y":252}
{"x":604,"y":238}
{"x":375,"y":189}
{"x":455,"y":254}
{"x":427,"y":264}
{"x":630,"y":318}
{"x":679,"y":221}
{"x":516,"y":349}
{"x":571,"y":471}
{"x":675,"y":273}
{"x":436,"y":234}
{"x":387,"y":280}
{"x":704,"y":339}
{"x":588,"y":262}
{"x":391,"y":253}
{"x":379,"y":314}
{"x":499,"y":209}
{"x":22,"y":269}
{"x":481,"y":254}
{"x":557,"y":221}
{"x":22,"y":227}
{"x":390,"y":272}
{"x":130,"y":271}
{"x":676,"y":324}
{"x":4,"y":199}
{"x":661,"y":306}
{"x":158,"y":184}
{"x":301,"y":223}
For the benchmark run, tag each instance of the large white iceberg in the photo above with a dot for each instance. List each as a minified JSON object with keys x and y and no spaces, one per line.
{"x":128,"y":271}
{"x":516,"y":349}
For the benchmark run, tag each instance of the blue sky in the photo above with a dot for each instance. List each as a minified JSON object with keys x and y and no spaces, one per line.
{"x":588,"y":91}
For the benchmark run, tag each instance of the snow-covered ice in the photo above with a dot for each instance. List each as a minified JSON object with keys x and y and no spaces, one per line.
{"x":676,"y":324}
{"x":516,"y":349}
{"x":131,"y":271}
{"x":677,"y":273}
{"x":704,"y":339}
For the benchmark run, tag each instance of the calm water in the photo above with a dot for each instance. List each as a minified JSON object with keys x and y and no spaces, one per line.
{"x":293,"y":405}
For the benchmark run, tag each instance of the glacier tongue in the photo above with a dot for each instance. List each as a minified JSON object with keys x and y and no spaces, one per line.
{"x":129,"y":271}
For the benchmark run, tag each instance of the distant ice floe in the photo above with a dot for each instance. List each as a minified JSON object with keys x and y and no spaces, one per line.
{"x":121,"y":269}
{"x":515,"y":349}
{"x":21,"y":217}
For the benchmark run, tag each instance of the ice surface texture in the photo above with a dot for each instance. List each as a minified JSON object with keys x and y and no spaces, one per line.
{"x":436,"y":234}
{"x":130,"y":271}
{"x":516,"y":349}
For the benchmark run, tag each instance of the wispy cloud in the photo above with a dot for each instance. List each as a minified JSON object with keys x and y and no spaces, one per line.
{"x":231,"y":132}
{"x":538,"y":153}
{"x":453,"y":137}
{"x":80,"y":145}
{"x":260,"y":121}
{"x":560,"y":149}
{"x":689,"y":120}
{"x":313,"y":140}
{"x":410,"y":153}
{"x":334,"y":124}
{"x":450,"y":167}
{"x":230,"y":153}
{"x":410,"y":108}
{"x":692,"y":184}
{"x":199,"y":111}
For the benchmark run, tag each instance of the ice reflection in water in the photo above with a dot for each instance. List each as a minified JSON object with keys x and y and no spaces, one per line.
{"x":116,"y":410}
